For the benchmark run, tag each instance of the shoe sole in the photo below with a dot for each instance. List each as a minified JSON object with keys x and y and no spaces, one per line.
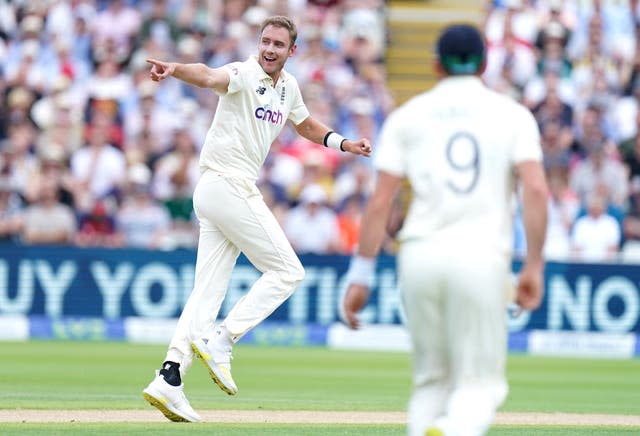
{"x":433,"y":431}
{"x":158,"y":404}
{"x":204,"y":358}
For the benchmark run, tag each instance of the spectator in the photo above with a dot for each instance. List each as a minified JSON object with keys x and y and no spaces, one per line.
{"x":631,"y":226}
{"x":151,"y":119}
{"x":19,"y":104}
{"x":362,"y":37}
{"x":563,"y":208}
{"x":159,"y":25}
{"x":516,"y":15}
{"x":355,"y":179}
{"x":600,"y":174}
{"x":594,"y":72}
{"x":48,"y":221}
{"x":20,"y":160}
{"x":63,"y":64}
{"x":553,"y":38}
{"x":60,"y":20}
{"x":229,"y":46}
{"x":553,"y":109}
{"x":142,"y":221}
{"x":548,"y":80}
{"x":82,"y":38}
{"x":98,"y":168}
{"x":510,"y":31}
{"x":109,"y":81}
{"x":97,"y":228}
{"x":557,"y":11}
{"x":11,"y":215}
{"x":28,"y":72}
{"x":631,"y":159}
{"x":316,"y":169}
{"x":117,"y":26}
{"x":173,"y":183}
{"x":556,"y":142}
{"x":312,"y":213}
{"x":349,"y":218}
{"x":176,"y":173}
{"x":23,"y":53}
{"x":359,"y":118}
{"x":190,"y":50}
{"x":52,"y":169}
{"x":596,"y":236}
{"x":627,"y":118}
{"x":200,"y":16}
{"x":59,"y":118}
{"x":605,"y":27}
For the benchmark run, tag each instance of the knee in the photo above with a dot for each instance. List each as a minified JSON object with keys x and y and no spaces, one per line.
{"x":293,"y":277}
{"x":287,"y":280}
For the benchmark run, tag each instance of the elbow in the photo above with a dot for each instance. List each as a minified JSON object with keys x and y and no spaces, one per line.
{"x":205,"y":82}
{"x":303,"y":130}
{"x":208,"y":78}
{"x":537,"y":193}
{"x":541,"y":190}
{"x":537,"y":189}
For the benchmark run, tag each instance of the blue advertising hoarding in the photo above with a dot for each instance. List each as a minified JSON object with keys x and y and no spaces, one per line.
{"x":58,"y":288}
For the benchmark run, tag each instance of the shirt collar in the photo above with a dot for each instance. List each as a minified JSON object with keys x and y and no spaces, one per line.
{"x":465,"y":81}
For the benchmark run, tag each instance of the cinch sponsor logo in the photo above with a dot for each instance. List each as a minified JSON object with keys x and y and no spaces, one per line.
{"x":265,"y":114}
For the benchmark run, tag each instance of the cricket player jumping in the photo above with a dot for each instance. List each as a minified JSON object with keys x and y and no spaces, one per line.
{"x":257,"y":97}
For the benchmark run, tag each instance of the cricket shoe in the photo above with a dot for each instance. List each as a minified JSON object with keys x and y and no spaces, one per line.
{"x":170,"y":400}
{"x":217,"y":359}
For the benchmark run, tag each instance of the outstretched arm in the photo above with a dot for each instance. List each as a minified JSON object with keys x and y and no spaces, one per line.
{"x":315,"y":131}
{"x":195,"y":74}
{"x":372,"y":233}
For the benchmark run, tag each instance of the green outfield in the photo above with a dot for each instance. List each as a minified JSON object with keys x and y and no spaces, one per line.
{"x":110,"y":376}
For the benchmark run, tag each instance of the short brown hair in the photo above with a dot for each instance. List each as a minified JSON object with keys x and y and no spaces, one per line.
{"x":285,"y":23}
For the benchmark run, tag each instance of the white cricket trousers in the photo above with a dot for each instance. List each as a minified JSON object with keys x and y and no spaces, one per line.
{"x":454,"y":298}
{"x":233,"y":218}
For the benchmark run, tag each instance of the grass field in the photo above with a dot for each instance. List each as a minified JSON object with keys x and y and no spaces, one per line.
{"x":110,"y":376}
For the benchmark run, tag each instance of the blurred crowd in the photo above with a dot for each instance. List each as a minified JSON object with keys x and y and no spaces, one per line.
{"x":576,"y":65}
{"x":93,"y":153}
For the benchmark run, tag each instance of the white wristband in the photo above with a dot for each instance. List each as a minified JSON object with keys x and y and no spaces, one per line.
{"x":333,"y":140}
{"x":362,"y":271}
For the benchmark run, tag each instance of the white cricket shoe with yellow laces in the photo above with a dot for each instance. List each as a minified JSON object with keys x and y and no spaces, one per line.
{"x":216,"y":355}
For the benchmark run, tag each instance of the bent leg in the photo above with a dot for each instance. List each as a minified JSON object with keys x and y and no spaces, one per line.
{"x":256,"y":232}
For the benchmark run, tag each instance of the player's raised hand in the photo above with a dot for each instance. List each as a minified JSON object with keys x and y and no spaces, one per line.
{"x":354,"y":300}
{"x":160,"y":70}
{"x":361,"y":147}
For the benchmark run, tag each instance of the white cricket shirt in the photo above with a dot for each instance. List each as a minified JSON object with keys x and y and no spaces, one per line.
{"x":457,"y":145}
{"x":248,"y":119}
